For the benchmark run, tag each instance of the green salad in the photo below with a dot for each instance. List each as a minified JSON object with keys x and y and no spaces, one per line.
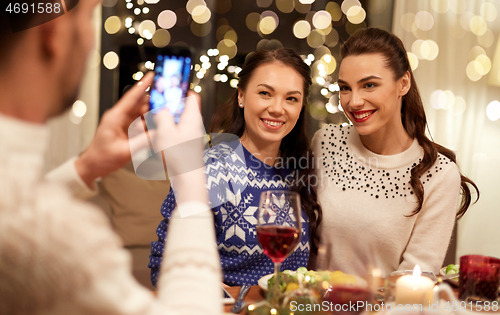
{"x":289,"y":280}
{"x":452,"y":269}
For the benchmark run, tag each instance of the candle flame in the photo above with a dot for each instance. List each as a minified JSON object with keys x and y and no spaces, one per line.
{"x":416,"y":271}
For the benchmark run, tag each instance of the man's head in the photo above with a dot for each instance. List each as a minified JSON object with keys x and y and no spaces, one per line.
{"x":45,"y":64}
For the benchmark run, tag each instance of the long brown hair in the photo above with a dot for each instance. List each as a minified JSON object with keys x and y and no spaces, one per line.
{"x":377,"y":41}
{"x":295,"y":146}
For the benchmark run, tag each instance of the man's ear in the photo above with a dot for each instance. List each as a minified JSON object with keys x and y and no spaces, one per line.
{"x":54,"y":38}
{"x":405,"y":83}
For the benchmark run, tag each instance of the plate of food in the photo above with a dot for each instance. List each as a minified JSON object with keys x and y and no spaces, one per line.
{"x":289,"y":279}
{"x":264,"y":280}
{"x":451,"y":270}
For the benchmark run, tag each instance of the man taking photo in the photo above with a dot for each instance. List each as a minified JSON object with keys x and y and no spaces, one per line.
{"x":58,"y":254}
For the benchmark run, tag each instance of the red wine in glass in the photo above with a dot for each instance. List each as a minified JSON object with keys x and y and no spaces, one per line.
{"x":344,"y":299}
{"x":278,"y":231}
{"x":277,"y":241}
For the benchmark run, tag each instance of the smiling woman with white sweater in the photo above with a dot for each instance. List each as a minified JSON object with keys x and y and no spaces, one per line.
{"x":368,"y":199}
{"x":384,"y":186}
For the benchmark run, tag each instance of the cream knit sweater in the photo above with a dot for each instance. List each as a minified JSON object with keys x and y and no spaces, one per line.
{"x":59,"y":255}
{"x":367,"y":199}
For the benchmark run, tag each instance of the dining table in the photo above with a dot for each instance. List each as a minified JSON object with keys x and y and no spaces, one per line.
{"x":256,"y":294}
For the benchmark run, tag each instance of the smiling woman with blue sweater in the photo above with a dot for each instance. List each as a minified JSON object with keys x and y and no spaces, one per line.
{"x":267,"y":114}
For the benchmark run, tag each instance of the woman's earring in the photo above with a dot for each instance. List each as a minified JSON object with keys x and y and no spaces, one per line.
{"x":241,"y":105}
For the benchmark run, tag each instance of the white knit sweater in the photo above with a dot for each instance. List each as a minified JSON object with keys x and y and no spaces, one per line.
{"x":367,"y":199}
{"x":59,"y":255}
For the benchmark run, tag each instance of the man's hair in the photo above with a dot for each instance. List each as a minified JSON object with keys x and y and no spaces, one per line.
{"x":5,"y":32}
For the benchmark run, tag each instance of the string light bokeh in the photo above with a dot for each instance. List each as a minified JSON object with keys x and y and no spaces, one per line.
{"x":476,"y":19}
{"x":229,"y":30}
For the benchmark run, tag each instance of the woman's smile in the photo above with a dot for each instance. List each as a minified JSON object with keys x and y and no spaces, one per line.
{"x":364,"y":115}
{"x":272,"y":124}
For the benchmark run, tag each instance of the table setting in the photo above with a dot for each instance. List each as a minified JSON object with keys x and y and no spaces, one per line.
{"x":463,"y":289}
{"x":444,"y":300}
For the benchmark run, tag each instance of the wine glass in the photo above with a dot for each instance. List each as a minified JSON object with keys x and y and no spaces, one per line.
{"x":350,"y":276}
{"x":278,"y":230}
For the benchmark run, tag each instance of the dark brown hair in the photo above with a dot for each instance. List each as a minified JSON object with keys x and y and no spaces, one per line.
{"x":294,"y":146}
{"x":377,"y":41}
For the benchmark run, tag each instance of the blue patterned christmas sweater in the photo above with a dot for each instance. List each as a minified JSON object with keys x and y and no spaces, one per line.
{"x":235,"y":180}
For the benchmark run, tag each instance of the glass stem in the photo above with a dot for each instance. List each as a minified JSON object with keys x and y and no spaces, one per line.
{"x":275,"y":297}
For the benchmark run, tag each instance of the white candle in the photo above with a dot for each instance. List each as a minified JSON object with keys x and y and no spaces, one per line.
{"x":414,"y":289}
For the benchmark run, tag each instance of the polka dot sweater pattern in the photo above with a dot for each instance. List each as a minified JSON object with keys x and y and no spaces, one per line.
{"x":367,"y":202}
{"x":235,"y":181}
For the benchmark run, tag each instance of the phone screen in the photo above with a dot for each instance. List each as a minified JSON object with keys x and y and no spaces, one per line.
{"x":171,"y":82}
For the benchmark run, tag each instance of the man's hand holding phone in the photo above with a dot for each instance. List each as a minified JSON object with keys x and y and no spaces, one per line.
{"x":110,"y":149}
{"x":170,"y":135}
{"x":182,"y":146}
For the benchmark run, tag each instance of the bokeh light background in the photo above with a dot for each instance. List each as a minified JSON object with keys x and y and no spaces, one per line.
{"x":456,"y":44}
{"x":223,"y":32}
{"x":453,"y":47}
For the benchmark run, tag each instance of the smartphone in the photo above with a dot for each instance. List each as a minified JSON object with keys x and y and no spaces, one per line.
{"x":227,"y":298}
{"x":171,"y":82}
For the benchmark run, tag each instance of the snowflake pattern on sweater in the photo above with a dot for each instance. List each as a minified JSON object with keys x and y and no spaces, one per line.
{"x":235,"y":180}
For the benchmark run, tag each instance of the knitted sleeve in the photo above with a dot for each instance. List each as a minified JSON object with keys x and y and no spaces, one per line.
{"x":432,"y":230}
{"x":59,"y":256}
{"x":67,"y":175}
{"x":191,"y":261}
{"x":157,"y":247}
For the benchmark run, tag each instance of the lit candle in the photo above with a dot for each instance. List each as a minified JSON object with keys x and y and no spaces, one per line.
{"x":414,"y":289}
